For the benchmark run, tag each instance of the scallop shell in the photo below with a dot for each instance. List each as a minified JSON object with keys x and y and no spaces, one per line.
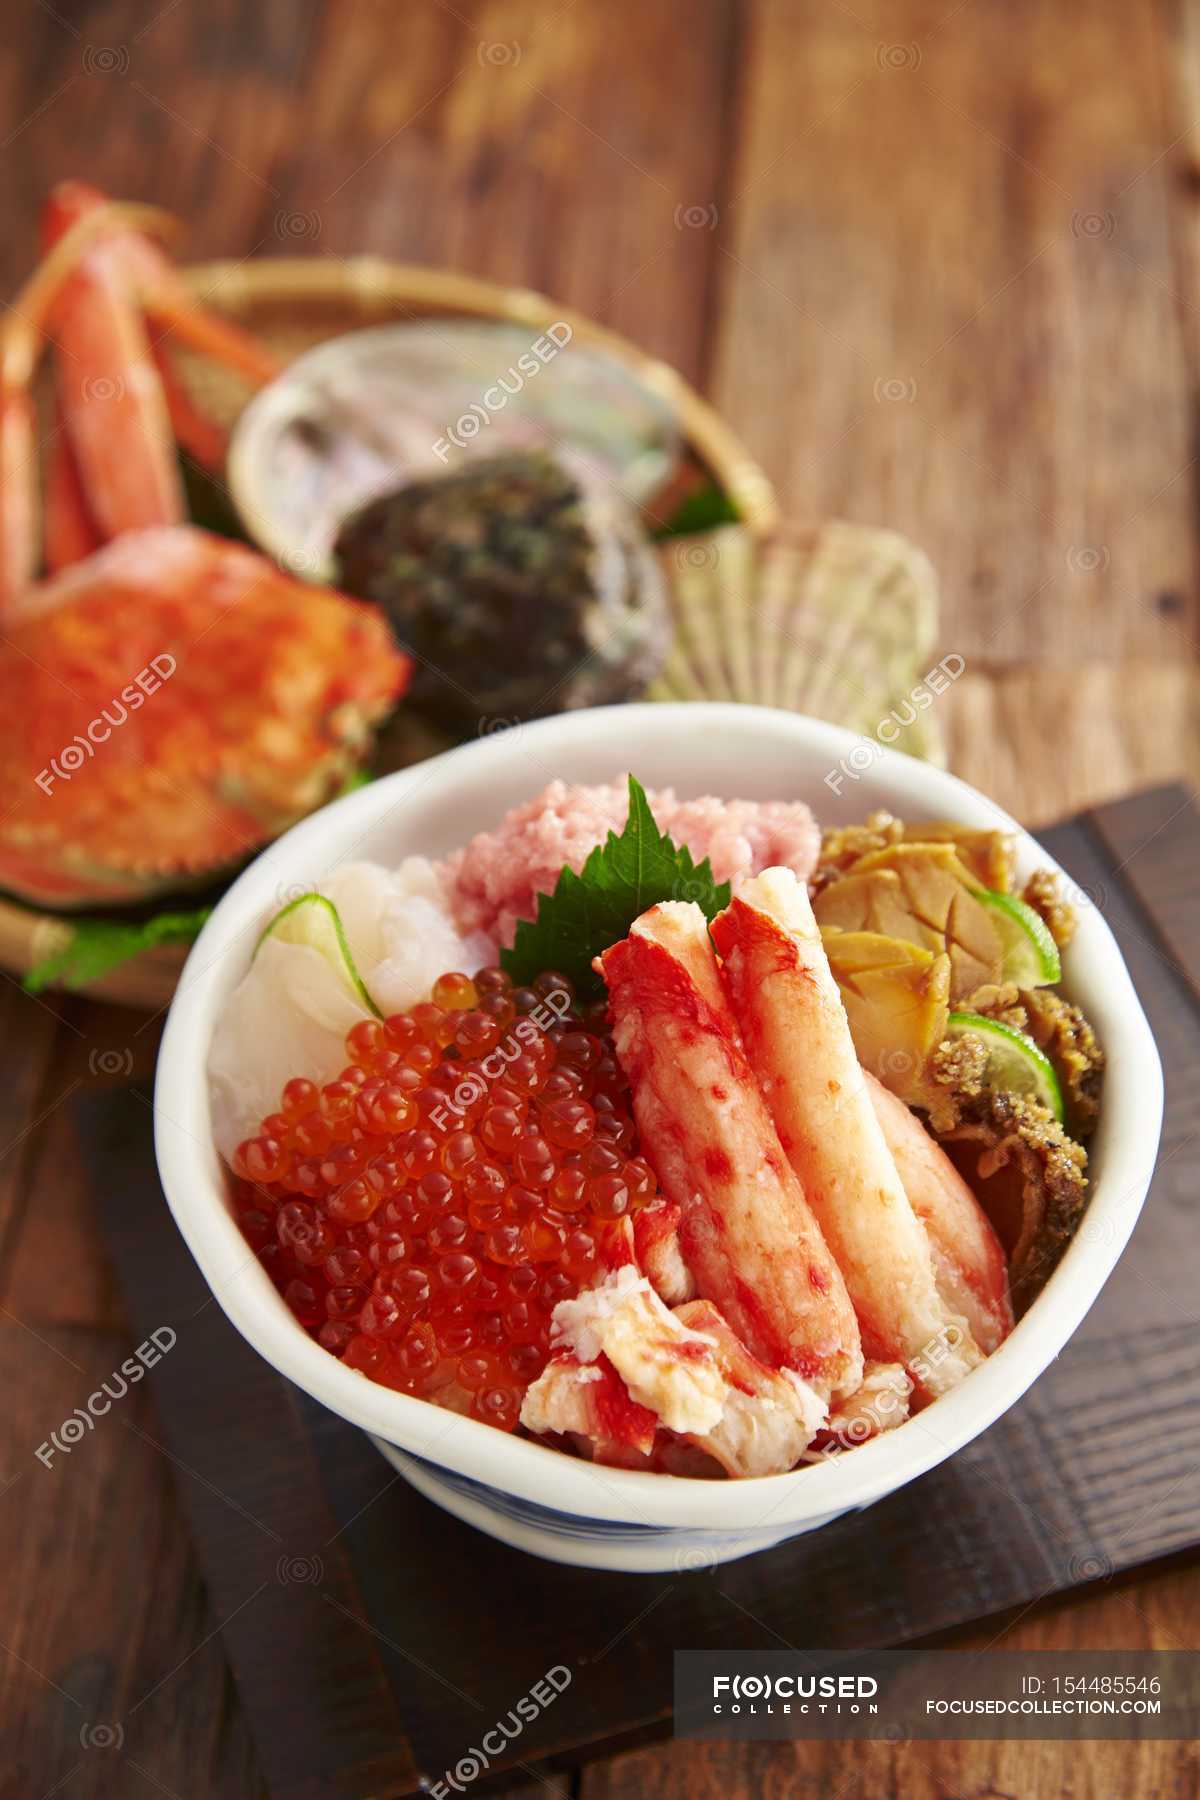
{"x":837,"y":620}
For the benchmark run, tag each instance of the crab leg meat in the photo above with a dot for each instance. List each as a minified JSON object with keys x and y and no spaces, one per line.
{"x":630,"y":1378}
{"x":880,"y":1404}
{"x":968,"y":1258}
{"x":656,"y":1237}
{"x":767,"y":1420}
{"x":746,"y":1230}
{"x":589,"y":1403}
{"x":787,"y":1003}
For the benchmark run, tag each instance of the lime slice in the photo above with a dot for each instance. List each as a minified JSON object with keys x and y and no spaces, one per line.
{"x":314,"y":921}
{"x":1015,"y":1064}
{"x":1030,"y":952}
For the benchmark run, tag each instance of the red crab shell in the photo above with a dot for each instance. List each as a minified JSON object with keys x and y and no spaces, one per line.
{"x":170,"y":704}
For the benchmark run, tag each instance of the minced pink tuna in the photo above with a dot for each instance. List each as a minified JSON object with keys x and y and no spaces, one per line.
{"x":495,"y":880}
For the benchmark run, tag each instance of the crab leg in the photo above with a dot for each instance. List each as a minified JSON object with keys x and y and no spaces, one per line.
{"x":119,"y":363}
{"x":968,"y":1258}
{"x":21,"y":342}
{"x":195,"y":433}
{"x":18,"y":484}
{"x":112,"y":400}
{"x":746,"y":1231}
{"x":68,"y":534}
{"x":161,"y":292}
{"x":787,"y":1003}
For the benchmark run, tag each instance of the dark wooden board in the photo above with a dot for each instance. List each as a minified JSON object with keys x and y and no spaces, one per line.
{"x":374,"y":1639}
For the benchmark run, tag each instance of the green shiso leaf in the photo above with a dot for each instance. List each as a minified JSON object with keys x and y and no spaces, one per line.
{"x":702,"y":510}
{"x":97,"y":946}
{"x":620,"y":879}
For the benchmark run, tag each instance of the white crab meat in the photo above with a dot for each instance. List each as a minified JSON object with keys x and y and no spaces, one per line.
{"x":667,"y":1367}
{"x":770,"y":1416}
{"x":881,"y":1403}
{"x":631,"y":1377}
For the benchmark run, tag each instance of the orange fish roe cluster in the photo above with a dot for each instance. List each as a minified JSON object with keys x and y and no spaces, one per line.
{"x":423,"y":1214}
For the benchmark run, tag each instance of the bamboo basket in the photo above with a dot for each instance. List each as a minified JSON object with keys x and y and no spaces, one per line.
{"x":294,"y":303}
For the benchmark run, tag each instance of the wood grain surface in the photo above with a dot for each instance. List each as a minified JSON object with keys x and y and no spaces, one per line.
{"x":938,"y":263}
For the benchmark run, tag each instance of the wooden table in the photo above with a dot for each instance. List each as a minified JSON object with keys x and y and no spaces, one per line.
{"x":938,"y":263}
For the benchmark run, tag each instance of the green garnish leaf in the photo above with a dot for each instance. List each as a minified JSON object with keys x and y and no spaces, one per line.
{"x":702,"y":510}
{"x":620,"y":879}
{"x":97,"y":946}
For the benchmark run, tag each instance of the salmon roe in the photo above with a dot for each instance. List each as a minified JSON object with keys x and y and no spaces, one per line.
{"x":423,"y":1214}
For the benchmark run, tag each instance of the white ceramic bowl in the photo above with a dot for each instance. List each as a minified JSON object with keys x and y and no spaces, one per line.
{"x":521,"y":1491}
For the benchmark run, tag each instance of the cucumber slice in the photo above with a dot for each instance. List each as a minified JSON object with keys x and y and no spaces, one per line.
{"x":1030,"y":953}
{"x":314,"y":921}
{"x":1015,"y":1064}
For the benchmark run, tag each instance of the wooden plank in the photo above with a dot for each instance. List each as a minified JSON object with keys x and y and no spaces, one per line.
{"x":277,"y":1570}
{"x":942,"y":223}
{"x":1140,"y":841}
{"x":189,"y":106}
{"x":112,"y":1681}
{"x":531,"y":145}
{"x":98,"y":1048}
{"x":1037,"y":739}
{"x":31,"y":1090}
{"x":1156,"y":1613}
{"x":518,"y":142}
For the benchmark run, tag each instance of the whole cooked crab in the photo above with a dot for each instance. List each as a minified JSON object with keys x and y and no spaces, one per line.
{"x":169,"y":700}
